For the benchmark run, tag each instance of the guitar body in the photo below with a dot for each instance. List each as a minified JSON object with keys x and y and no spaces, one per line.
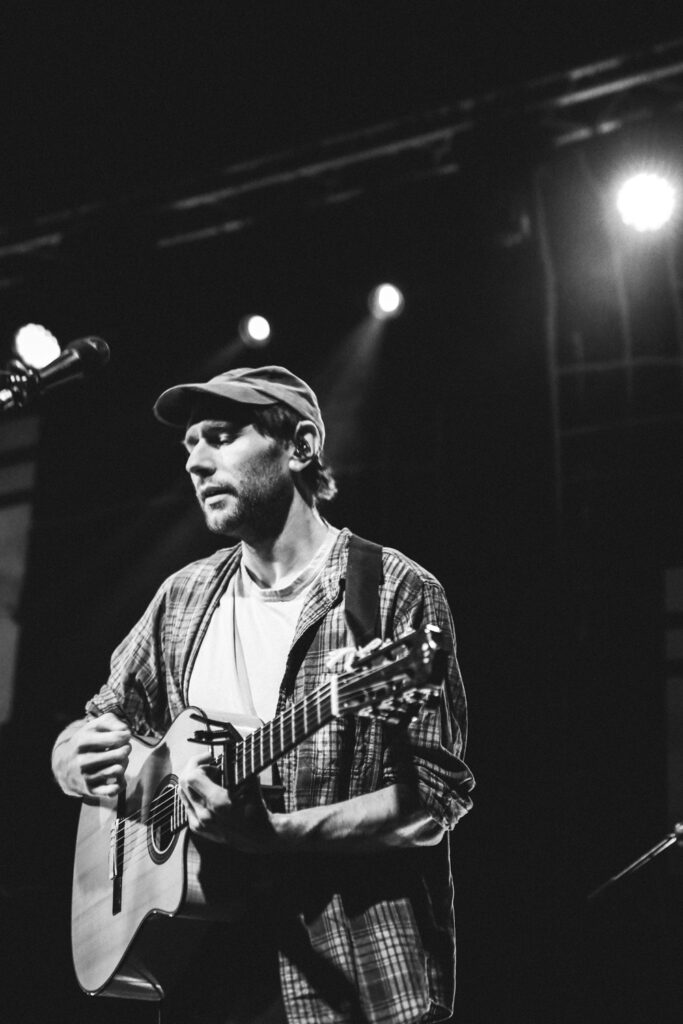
{"x":124,"y":941}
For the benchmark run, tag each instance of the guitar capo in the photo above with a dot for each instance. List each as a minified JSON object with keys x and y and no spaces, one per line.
{"x":217,"y":732}
{"x":225,"y":734}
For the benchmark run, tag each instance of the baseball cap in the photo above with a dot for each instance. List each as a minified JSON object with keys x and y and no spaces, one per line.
{"x":264,"y":385}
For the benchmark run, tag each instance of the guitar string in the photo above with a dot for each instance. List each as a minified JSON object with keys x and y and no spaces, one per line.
{"x":166,"y":805}
{"x":137,"y":843}
{"x":242,"y":751}
{"x":136,"y":846}
{"x":297,"y":710}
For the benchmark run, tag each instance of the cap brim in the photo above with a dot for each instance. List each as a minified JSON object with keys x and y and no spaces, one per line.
{"x":174,"y":406}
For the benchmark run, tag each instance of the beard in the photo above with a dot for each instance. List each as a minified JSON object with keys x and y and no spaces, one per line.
{"x":257,"y":507}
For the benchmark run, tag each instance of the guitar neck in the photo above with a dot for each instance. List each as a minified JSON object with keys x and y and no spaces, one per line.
{"x":283,"y":733}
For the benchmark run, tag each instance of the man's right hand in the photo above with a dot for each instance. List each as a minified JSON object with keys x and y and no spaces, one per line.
{"x":90,"y":756}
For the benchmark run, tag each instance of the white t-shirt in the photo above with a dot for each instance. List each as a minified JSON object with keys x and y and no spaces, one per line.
{"x":242,"y":658}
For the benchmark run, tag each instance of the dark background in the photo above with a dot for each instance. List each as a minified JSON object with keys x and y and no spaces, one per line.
{"x":551,"y":544}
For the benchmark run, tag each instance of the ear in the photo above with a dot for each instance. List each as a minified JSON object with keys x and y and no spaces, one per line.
{"x":305,"y":446}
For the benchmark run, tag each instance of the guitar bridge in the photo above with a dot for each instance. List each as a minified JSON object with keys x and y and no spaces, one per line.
{"x":115,"y":849}
{"x":117,"y":836}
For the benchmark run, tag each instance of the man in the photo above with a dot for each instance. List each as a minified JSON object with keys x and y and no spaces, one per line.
{"x":360,"y":910}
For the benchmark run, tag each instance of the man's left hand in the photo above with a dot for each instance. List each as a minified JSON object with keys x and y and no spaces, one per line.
{"x":242,"y":821}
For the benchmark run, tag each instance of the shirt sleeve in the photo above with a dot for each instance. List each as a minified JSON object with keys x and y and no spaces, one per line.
{"x":134,"y":690}
{"x":429,"y":753}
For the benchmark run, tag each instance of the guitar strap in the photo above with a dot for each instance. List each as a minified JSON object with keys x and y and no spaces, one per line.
{"x":361,"y":598}
{"x":361,"y":609}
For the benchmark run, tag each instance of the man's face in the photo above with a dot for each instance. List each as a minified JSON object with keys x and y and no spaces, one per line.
{"x":241,"y":478}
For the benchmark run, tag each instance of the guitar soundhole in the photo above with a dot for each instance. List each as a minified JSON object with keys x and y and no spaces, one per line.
{"x":162,"y":824}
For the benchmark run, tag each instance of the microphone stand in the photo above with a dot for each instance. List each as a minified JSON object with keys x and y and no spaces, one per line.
{"x":676,"y":836}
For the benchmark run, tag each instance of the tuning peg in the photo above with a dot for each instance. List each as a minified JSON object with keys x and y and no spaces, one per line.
{"x":428,"y":697}
{"x":399,"y":710}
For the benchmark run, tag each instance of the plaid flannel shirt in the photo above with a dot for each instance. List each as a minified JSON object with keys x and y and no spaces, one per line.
{"x":373,"y":937}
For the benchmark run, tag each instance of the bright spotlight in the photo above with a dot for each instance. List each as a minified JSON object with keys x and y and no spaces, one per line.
{"x":646,"y":201}
{"x":36,"y":346}
{"x":254,"y":331}
{"x":386,"y":301}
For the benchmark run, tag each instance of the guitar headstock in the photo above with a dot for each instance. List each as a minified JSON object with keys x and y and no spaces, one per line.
{"x":395,"y":680}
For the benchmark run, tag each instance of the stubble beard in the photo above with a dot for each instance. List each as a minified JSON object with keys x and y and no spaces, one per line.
{"x":256,"y":510}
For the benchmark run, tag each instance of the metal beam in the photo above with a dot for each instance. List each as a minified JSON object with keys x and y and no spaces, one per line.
{"x":568,"y":108}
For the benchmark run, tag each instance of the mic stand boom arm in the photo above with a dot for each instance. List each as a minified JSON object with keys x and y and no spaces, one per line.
{"x":673,"y":837}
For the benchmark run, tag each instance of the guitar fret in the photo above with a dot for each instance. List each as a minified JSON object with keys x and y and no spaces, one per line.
{"x":276,"y":747}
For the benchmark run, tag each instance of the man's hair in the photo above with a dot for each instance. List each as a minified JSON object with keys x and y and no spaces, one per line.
{"x":280,"y":422}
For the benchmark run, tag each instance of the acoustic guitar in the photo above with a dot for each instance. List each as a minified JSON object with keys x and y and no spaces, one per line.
{"x":143,"y":886}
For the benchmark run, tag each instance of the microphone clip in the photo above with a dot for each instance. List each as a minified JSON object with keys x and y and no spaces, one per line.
{"x":19,"y":385}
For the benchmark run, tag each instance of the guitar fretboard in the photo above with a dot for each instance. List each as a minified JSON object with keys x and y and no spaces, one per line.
{"x":283,"y":733}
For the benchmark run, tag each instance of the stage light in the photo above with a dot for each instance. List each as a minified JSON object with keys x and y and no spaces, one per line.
{"x":646,"y":202}
{"x":35,"y":346}
{"x":386,"y":301}
{"x":254,"y":331}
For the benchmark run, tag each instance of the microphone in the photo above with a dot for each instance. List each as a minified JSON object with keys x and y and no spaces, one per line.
{"x":24,"y":385}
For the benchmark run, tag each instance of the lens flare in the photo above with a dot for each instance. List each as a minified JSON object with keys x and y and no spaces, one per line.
{"x":646,"y":202}
{"x":36,"y":346}
{"x":386,"y":301}
{"x":254,"y":331}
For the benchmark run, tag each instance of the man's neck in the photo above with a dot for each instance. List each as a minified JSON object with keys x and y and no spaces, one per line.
{"x":271,"y":559}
